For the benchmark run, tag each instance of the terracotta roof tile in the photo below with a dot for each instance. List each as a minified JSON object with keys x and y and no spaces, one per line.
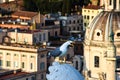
{"x":12,"y":4}
{"x":24,"y":14}
{"x":12,"y":75}
{"x":92,"y":7}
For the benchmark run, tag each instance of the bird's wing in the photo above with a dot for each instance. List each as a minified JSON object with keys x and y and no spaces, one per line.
{"x":56,"y":52}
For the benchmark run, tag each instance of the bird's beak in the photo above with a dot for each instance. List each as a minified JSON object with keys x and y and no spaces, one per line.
{"x":72,"y":44}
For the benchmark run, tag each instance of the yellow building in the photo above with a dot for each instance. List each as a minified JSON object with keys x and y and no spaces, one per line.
{"x":89,"y":12}
{"x":27,"y":59}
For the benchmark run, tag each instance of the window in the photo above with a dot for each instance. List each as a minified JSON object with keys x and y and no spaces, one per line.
{"x":78,"y":21}
{"x":31,"y":65}
{"x":118,"y":63}
{"x":81,"y":21}
{"x":96,"y":61}
{"x":1,"y":62}
{"x":1,"y":53}
{"x":34,"y":39}
{"x":8,"y":63}
{"x":92,"y":17}
{"x":110,"y":3}
{"x":44,"y":36}
{"x":56,"y":34}
{"x":32,"y":78}
{"x":73,"y":28}
{"x":8,"y":53}
{"x":88,"y":10}
{"x":23,"y":65}
{"x":85,"y":24}
{"x":87,"y":17}
{"x":118,"y":34}
{"x":26,"y":78}
{"x":42,"y":76}
{"x":48,"y":34}
{"x":15,"y":54}
{"x":70,"y":22}
{"x":42,"y":65}
{"x":15,"y":64}
{"x":32,"y":56}
{"x":84,"y":16}
{"x":78,"y":28}
{"x":39,"y":37}
{"x":69,"y":28}
{"x":74,"y":21}
{"x":23,"y":55}
{"x":25,"y":40}
{"x":42,"y":55}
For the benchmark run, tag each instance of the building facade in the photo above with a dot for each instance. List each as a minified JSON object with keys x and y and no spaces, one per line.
{"x":71,"y":23}
{"x":101,"y":45}
{"x":30,"y":37}
{"x":24,"y":50}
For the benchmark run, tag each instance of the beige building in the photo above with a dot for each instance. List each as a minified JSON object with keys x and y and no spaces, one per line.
{"x":71,"y":23}
{"x":24,"y":50}
{"x":89,"y":12}
{"x":101,"y":45}
{"x":53,"y":30}
{"x":30,"y":37}
{"x":27,"y":59}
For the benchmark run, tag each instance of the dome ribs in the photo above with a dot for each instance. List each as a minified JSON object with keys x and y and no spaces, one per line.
{"x":104,"y":26}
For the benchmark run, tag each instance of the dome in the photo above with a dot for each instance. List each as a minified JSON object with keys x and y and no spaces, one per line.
{"x":105,"y":27}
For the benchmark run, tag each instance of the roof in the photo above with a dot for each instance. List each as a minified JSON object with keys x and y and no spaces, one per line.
{"x":19,"y":4}
{"x":92,"y":7}
{"x":25,"y":14}
{"x":6,"y":74}
{"x":12,"y":75}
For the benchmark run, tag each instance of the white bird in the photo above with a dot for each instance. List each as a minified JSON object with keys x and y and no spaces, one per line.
{"x":60,"y":51}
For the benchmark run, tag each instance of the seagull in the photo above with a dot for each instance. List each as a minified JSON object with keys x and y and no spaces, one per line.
{"x":60,"y":51}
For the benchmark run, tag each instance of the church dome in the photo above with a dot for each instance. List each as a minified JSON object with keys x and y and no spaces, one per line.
{"x":105,"y":27}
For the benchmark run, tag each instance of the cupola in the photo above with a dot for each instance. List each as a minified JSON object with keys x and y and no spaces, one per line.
{"x":106,"y":25}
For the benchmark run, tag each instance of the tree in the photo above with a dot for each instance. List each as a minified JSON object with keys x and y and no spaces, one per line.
{"x":66,"y":7}
{"x":30,"y":5}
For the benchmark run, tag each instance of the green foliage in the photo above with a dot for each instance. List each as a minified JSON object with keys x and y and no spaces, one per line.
{"x":53,"y":6}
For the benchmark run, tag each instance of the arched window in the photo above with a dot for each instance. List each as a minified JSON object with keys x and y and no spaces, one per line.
{"x":110,"y":3}
{"x":96,"y":61}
